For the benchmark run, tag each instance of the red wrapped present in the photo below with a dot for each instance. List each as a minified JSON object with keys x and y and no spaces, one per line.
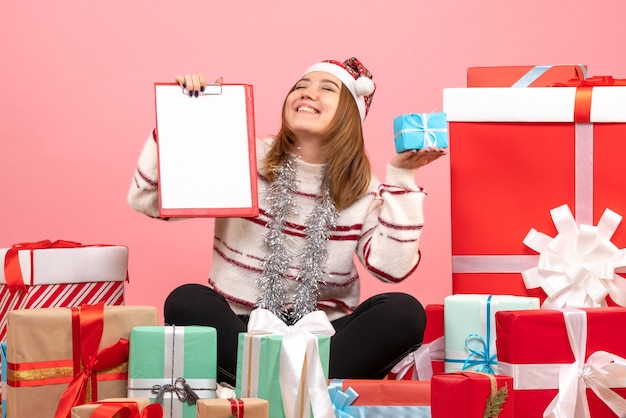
{"x":118,"y":408}
{"x":380,"y":398}
{"x":517,"y":153}
{"x":567,"y":363}
{"x":428,"y":359}
{"x":50,"y":274}
{"x":58,"y":358}
{"x":472,"y":395}
{"x":524,"y":75}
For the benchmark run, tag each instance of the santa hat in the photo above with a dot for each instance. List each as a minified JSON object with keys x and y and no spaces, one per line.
{"x":354,"y":76}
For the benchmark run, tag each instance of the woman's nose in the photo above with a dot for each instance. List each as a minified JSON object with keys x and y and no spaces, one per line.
{"x":307,"y":93}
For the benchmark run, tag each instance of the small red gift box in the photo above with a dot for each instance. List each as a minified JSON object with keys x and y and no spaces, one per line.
{"x":557,"y":355}
{"x":380,"y":398}
{"x":119,"y":407}
{"x":471,"y":395}
{"x":502,"y":185}
{"x":428,"y":359}
{"x":524,"y":75}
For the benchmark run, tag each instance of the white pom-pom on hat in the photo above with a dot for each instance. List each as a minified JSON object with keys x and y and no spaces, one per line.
{"x":364,"y":86}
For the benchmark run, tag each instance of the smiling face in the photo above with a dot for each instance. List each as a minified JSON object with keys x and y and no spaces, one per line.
{"x":311,"y":106}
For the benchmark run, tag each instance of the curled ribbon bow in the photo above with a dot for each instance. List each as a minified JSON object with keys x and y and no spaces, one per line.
{"x":576,"y":268}
{"x":342,"y":400}
{"x":127,"y":410}
{"x":302,"y":382}
{"x":183,"y":391}
{"x":481,"y":358}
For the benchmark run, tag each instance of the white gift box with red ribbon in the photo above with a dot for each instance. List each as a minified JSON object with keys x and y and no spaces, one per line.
{"x":60,"y":274}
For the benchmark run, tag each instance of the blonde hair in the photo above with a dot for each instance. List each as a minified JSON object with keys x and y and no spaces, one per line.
{"x":348,"y":171}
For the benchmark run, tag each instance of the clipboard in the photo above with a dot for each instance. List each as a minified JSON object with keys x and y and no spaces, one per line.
{"x":206,"y":151}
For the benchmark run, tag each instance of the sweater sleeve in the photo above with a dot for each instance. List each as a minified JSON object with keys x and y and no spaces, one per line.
{"x":389,"y":245}
{"x":143,"y":193}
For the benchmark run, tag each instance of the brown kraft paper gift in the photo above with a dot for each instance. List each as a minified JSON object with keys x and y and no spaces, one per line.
{"x":41,"y":360}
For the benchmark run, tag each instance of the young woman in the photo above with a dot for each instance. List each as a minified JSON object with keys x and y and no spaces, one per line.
{"x":320,"y":204}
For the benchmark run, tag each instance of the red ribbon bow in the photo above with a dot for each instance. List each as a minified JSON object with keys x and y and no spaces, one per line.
{"x":87,"y":329}
{"x":127,"y":410}
{"x":12,"y":270}
{"x":236,"y":407}
{"x":584,"y":90}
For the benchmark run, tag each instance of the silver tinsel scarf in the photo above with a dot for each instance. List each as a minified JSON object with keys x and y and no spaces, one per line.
{"x":280,"y":203}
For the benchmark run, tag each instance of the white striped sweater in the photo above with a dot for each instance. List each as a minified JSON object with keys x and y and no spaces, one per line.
{"x":382,"y":228}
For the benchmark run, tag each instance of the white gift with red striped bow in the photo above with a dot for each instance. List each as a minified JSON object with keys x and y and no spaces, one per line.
{"x":65,"y":277}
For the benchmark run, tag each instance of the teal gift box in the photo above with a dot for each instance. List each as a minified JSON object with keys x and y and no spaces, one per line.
{"x":258,"y":368}
{"x":173,"y":365}
{"x":470,"y":329}
{"x":420,"y":130}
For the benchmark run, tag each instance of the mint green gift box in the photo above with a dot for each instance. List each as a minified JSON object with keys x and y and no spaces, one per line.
{"x":172,"y":360}
{"x":470,"y":329}
{"x":258,"y":368}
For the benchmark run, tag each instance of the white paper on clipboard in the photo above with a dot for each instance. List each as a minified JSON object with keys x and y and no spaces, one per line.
{"x":207,"y":154}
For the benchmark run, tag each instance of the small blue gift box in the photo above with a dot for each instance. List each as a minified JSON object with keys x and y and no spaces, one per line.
{"x":420,"y":130}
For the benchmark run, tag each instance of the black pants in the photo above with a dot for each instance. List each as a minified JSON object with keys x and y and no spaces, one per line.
{"x":366,"y":345}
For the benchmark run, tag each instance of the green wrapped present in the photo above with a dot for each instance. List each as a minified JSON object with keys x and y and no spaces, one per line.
{"x":470,"y":329}
{"x":286,"y":365}
{"x":173,"y":366}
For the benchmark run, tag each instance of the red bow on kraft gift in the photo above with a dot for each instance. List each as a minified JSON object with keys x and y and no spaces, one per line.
{"x":12,"y":270}
{"x":127,"y":410}
{"x":236,"y":407}
{"x":87,"y":330}
{"x":584,"y":89}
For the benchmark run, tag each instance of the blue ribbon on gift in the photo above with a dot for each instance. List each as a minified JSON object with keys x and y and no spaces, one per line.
{"x":341,"y":400}
{"x":535,"y":72}
{"x":342,"y":405}
{"x":483,"y":359}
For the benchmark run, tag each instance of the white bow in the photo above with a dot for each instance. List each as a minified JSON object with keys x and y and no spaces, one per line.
{"x":302,"y":382}
{"x":422,"y":360}
{"x":576,"y":269}
{"x":602,"y":371}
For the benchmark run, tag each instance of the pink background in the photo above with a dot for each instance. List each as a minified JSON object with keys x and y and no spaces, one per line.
{"x":77,"y":101}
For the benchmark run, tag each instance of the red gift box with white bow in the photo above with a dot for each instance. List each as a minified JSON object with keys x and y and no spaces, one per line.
{"x":516,"y":153}
{"x":565,"y":363}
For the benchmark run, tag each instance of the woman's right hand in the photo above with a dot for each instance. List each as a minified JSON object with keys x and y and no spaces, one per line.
{"x":194,"y":84}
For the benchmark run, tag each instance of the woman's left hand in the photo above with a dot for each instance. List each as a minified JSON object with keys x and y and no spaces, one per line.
{"x":413,"y":159}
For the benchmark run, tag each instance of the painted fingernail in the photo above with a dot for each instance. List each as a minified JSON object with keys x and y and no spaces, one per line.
{"x":202,"y":88}
{"x":190,"y":93}
{"x":196,"y":93}
{"x":184,"y":85}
